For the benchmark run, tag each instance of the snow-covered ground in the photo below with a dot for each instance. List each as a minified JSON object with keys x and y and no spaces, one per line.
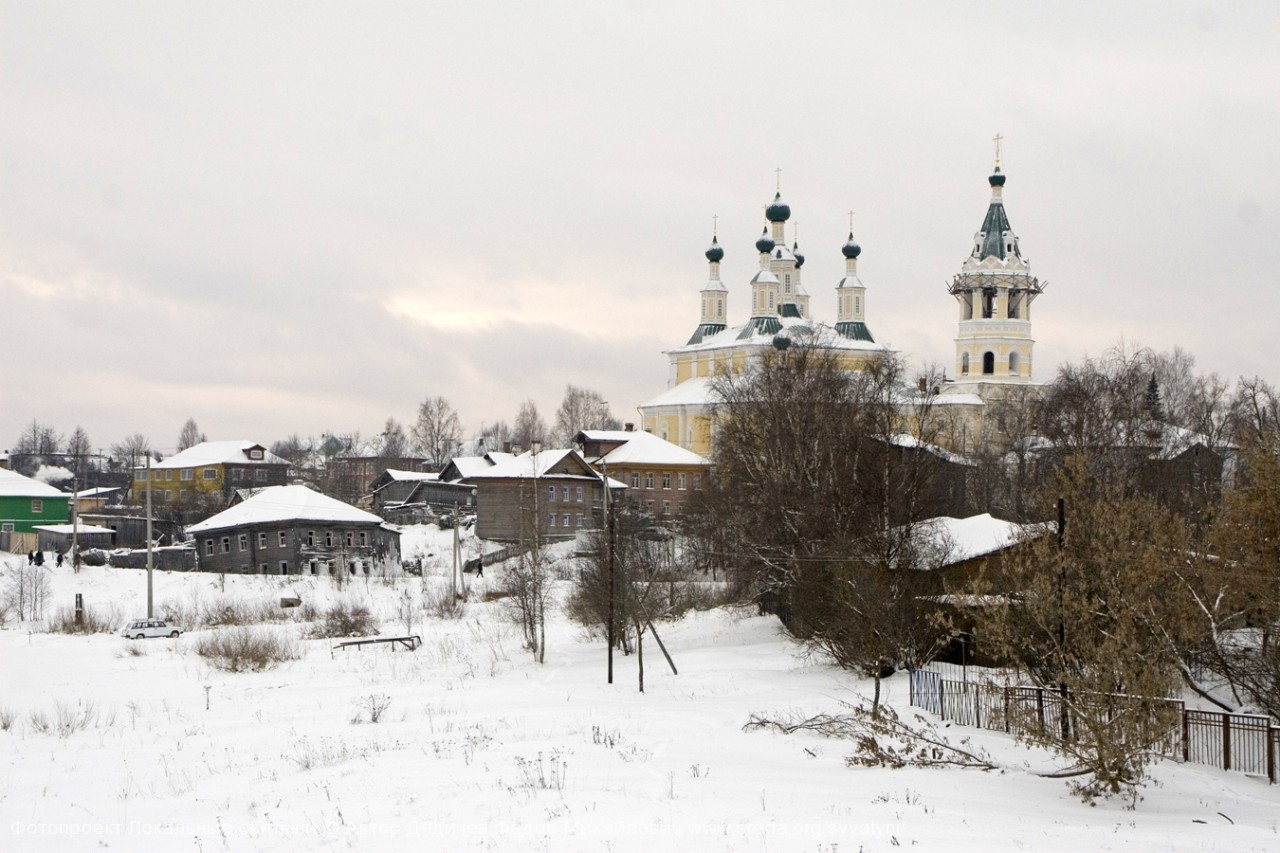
{"x":480,"y":748}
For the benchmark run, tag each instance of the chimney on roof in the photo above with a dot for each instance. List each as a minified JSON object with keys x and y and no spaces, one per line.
{"x":629,"y":427}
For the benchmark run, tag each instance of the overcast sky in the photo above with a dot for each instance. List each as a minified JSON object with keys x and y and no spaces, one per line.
{"x":306,"y":217}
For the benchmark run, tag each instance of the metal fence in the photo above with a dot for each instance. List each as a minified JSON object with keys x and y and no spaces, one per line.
{"x":1242,"y":742}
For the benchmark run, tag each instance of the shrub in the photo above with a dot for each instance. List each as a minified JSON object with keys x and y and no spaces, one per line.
{"x":440,"y":602}
{"x":346,"y":619}
{"x":96,"y":620}
{"x":243,"y":649}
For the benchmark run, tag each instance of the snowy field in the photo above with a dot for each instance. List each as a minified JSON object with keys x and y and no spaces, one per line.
{"x":479,"y":748}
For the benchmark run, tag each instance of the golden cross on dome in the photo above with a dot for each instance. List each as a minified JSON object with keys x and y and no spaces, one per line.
{"x":778,"y":172}
{"x":996,"y":139}
{"x":851,"y":222}
{"x":715,"y":222}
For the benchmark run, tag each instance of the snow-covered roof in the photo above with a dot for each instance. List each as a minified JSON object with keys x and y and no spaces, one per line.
{"x":697,"y":391}
{"x":285,"y":503}
{"x":14,"y":485}
{"x":97,"y":492}
{"x":218,"y":453}
{"x":541,"y":465}
{"x":906,"y":439}
{"x":641,"y":448}
{"x":798,"y":329}
{"x":402,"y":476}
{"x":976,"y":536}
{"x":68,"y":529}
{"x":470,"y":466}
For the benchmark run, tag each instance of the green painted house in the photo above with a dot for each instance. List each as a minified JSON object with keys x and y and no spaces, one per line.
{"x":25,"y":502}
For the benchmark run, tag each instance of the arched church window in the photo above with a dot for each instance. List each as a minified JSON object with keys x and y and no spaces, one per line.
{"x":988,"y":363}
{"x":1013,"y":364}
{"x":964,"y":364}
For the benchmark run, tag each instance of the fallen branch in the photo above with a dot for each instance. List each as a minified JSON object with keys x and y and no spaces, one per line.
{"x":882,"y":739}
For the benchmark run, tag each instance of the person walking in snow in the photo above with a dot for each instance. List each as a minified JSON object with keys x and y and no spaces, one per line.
{"x":39,"y":558}
{"x":31,"y":558}
{"x":59,"y":559}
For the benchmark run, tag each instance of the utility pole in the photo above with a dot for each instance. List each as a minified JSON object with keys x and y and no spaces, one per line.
{"x":455,"y":575}
{"x":608,"y":533}
{"x":75,"y":526}
{"x":150,"y":599}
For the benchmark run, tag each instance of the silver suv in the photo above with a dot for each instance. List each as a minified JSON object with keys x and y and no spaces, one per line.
{"x":141,"y":628}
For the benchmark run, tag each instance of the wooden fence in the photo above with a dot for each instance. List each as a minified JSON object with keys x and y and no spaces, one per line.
{"x":1242,"y":742}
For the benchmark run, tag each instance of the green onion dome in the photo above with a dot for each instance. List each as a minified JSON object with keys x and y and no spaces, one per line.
{"x":765,"y":243}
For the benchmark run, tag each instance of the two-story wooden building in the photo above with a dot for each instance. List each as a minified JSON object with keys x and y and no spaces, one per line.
{"x":553,"y":492}
{"x":660,"y":476}
{"x":206,"y":475}
{"x":24,"y":504}
{"x":292,"y":530}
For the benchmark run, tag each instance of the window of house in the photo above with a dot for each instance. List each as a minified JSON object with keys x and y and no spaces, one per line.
{"x":211,"y":473}
{"x":565,"y":519}
{"x":350,"y":539}
{"x":581,"y":518}
{"x":261,"y":475}
{"x":244,"y":541}
{"x":648,"y":480}
{"x":328,"y":538}
{"x":697,"y":481}
{"x":262,"y":539}
{"x":680,"y":481}
{"x":284,"y":567}
{"x":551,"y":493}
{"x":226,"y":544}
{"x":208,"y":547}
{"x":666,"y":507}
{"x":255,"y":454}
{"x":168,"y":494}
{"x":236,"y":474}
{"x":37,"y":506}
{"x":666,"y":479}
{"x":988,"y":363}
{"x":352,"y":567}
{"x":187,"y":474}
{"x":635,"y":479}
{"x":313,"y":567}
{"x":184,"y":495}
{"x":140,"y":474}
{"x":648,"y":507}
{"x":364,"y":538}
{"x":579,"y":494}
{"x":552,"y":521}
{"x":311,"y":538}
{"x":7,"y":527}
{"x":964,"y":363}
{"x":365,"y":566}
{"x":1013,"y":364}
{"x":564,"y":494}
{"x":263,"y":568}
{"x":284,"y":539}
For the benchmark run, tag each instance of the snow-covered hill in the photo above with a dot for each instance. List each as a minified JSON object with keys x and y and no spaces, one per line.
{"x":479,"y":748}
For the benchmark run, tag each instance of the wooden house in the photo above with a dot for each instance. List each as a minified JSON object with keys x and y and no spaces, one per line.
{"x":553,"y":492}
{"x":291,"y":530}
